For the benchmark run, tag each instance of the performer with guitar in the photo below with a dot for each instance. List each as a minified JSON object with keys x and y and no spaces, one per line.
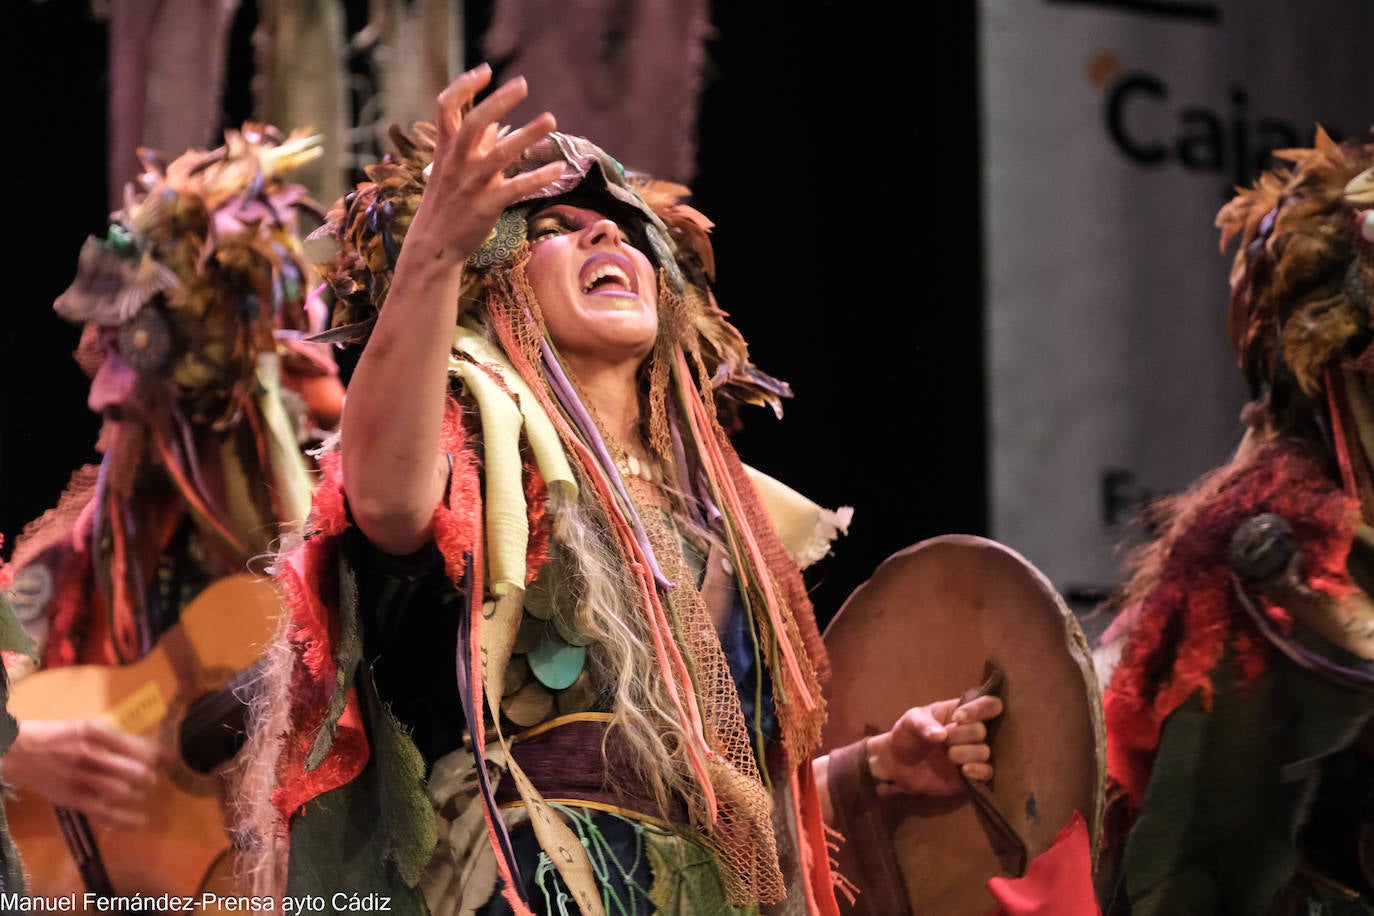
{"x":193,"y":304}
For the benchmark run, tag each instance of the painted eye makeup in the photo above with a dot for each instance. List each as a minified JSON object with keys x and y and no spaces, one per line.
{"x":558,"y":222}
{"x":546,"y":226}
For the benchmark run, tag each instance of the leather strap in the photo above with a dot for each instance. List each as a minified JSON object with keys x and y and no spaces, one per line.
{"x":1006,"y":842}
{"x":867,"y":853}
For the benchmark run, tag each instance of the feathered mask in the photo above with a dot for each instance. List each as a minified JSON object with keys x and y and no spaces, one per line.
{"x":370,"y":224}
{"x":200,"y":269}
{"x":1302,"y":282}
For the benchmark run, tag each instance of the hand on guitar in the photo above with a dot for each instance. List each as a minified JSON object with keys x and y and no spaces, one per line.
{"x":929,"y":746}
{"x":84,"y":765}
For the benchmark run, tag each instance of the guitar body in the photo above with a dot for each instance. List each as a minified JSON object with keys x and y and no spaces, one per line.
{"x":184,"y":846}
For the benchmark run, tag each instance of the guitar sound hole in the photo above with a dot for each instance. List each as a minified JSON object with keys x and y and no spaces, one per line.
{"x":213,"y":728}
{"x":211,"y":749}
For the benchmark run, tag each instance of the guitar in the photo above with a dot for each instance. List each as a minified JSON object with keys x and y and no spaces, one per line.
{"x":182,"y":695}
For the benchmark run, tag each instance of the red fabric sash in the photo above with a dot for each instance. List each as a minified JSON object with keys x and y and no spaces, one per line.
{"x":307,"y":581}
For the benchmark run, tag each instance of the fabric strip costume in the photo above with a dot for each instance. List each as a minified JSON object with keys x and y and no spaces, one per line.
{"x":528,"y":458}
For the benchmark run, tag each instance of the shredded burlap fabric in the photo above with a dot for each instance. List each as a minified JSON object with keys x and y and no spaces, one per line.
{"x":743,"y":833}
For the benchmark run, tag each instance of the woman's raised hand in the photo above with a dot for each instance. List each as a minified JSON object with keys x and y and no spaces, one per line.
{"x":395,"y":405}
{"x":467,"y":190}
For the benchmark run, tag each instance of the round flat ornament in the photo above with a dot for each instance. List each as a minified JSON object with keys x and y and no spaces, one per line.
{"x":529,"y":635}
{"x":580,"y":697}
{"x":556,"y":663}
{"x":567,"y":623}
{"x":517,"y":673}
{"x":529,"y":705}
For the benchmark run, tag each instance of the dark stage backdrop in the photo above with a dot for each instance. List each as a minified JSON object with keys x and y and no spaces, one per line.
{"x":838,"y":155}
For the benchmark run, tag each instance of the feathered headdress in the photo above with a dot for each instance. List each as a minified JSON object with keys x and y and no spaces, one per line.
{"x":371,"y":222}
{"x":1302,"y":278}
{"x":1302,"y":295}
{"x":201,"y":268}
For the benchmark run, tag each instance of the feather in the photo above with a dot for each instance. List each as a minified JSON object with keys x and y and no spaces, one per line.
{"x":1300,"y":289}
{"x":1359,"y":192}
{"x":210,"y":241}
{"x":1314,"y":336}
{"x":110,"y":289}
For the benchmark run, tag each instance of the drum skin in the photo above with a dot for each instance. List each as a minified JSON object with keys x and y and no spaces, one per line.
{"x":923,"y":628}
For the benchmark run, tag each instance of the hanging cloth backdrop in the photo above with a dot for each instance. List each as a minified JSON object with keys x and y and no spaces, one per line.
{"x":168,"y":63}
{"x":166,"y":76}
{"x":626,"y":72}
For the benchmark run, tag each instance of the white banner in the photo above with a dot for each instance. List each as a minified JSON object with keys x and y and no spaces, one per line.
{"x":1113,"y":131}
